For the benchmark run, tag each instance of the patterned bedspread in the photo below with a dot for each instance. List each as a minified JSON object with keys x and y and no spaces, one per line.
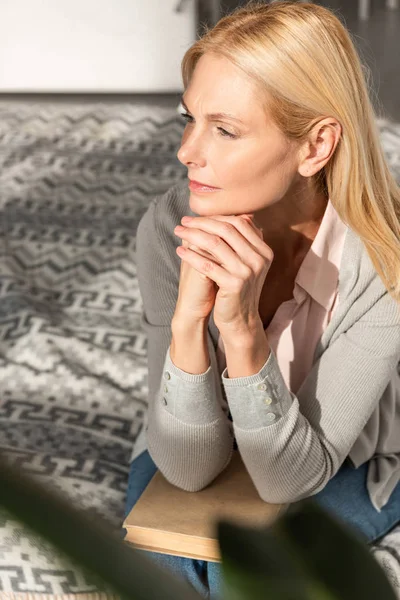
{"x":75,"y":179}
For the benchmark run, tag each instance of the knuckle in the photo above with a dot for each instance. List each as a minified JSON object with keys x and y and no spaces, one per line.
{"x":227,"y":228}
{"x":259,"y":264}
{"x":242,"y":220}
{"x":215,"y":241}
{"x":247,"y":272}
{"x":207,"y":266}
{"x":267,"y":253}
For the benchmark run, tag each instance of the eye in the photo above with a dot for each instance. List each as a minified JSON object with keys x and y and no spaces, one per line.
{"x":222,"y":131}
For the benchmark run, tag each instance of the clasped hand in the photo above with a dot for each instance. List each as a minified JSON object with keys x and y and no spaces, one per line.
{"x":237,"y":259}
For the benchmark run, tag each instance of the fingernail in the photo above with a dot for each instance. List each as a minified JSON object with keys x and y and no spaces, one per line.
{"x":186,"y":219}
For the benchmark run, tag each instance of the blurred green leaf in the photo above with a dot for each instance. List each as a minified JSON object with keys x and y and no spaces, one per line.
{"x":92,"y":543}
{"x":334,"y":554}
{"x":307,"y":554}
{"x":255,"y":566}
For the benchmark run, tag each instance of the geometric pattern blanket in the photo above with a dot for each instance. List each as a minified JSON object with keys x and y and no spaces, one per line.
{"x":75,"y":180}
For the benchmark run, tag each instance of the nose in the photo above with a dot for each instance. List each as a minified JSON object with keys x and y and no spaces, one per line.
{"x":190,"y":151}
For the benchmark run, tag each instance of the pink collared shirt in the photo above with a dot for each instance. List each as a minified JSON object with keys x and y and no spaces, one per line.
{"x":299,"y":323}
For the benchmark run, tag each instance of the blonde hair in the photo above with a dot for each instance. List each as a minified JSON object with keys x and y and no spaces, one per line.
{"x":307,"y":68}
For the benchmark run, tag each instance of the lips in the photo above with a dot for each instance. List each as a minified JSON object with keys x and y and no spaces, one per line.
{"x":199,"y":184}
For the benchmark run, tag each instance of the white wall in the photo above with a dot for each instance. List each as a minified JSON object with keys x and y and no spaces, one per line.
{"x":94,"y":45}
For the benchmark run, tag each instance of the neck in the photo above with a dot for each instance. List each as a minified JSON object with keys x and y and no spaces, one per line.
{"x":291,"y":225}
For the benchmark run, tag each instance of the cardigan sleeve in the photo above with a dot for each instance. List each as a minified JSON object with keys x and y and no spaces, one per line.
{"x":292,"y":445}
{"x":189,"y":436}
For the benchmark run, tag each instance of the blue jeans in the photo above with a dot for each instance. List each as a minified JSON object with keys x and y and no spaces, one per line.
{"x":345,"y":495}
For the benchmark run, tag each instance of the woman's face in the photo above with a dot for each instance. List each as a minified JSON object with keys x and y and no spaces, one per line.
{"x":255,"y":168}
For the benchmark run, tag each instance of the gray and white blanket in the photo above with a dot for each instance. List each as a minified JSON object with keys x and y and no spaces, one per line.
{"x":75,"y":179}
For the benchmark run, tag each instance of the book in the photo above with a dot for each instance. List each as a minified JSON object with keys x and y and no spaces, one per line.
{"x":170,"y":520}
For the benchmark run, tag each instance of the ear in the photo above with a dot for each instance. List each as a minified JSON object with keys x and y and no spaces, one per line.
{"x":319,"y":148}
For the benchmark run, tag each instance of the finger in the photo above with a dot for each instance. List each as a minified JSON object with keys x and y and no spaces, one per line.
{"x":250,"y":219}
{"x":209,"y":268}
{"x":228,"y":247}
{"x":186,"y":244}
{"x":250,"y":236}
{"x":258,"y":229}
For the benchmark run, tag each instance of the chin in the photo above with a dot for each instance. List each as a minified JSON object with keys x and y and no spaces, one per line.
{"x":198,"y":206}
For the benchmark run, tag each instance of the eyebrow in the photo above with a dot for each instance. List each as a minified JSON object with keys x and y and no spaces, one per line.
{"x":216,"y":116}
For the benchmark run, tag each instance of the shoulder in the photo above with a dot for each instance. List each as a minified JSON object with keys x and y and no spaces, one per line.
{"x":363,"y":294}
{"x":357,"y":273}
{"x":166,"y":210}
{"x":155,"y":239}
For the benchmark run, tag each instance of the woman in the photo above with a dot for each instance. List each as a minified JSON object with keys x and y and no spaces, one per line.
{"x":284,"y":306}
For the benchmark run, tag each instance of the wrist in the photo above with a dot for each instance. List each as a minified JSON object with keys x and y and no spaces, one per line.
{"x":246,"y":337}
{"x":246,"y":356}
{"x":188,"y":347}
{"x":183,"y":323}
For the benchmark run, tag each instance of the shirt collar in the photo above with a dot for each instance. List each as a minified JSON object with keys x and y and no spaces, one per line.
{"x":319,"y":272}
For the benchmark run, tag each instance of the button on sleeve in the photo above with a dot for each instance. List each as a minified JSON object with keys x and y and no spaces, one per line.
{"x":190,"y":398}
{"x":258,"y":400}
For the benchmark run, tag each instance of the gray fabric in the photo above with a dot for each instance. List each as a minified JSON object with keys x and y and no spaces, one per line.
{"x":75,"y":180}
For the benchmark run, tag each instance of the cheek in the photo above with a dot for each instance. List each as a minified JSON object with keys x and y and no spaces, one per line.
{"x":235,"y":167}
{"x":257,"y":179}
{"x":260,"y":167}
